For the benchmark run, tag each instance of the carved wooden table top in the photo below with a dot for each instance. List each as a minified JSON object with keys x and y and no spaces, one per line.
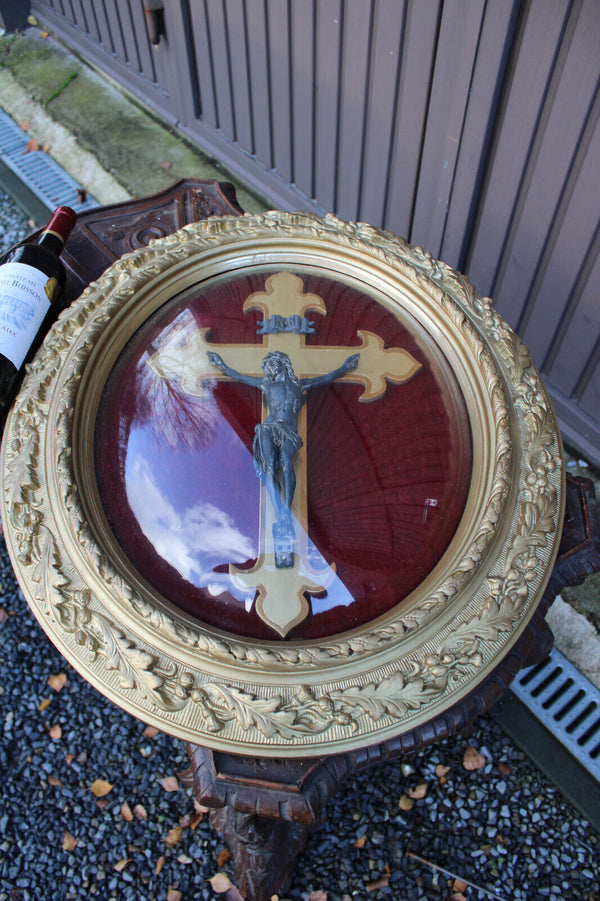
{"x":278,"y":485}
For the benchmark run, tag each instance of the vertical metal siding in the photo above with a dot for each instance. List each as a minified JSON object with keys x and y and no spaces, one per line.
{"x":470,"y":127}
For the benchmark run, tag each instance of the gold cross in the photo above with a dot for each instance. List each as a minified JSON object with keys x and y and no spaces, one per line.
{"x":280,"y":593}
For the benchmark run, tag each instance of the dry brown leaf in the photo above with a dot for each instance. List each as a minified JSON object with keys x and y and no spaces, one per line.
{"x":57,"y":682}
{"x":174,"y":895}
{"x":160,"y":864}
{"x":473,"y":759}
{"x":139,"y":811}
{"x":378,"y":883}
{"x":318,"y":896}
{"x":31,"y":146}
{"x":101,"y":803}
{"x":405,"y":803}
{"x":457,"y":896}
{"x":43,"y":35}
{"x":220,"y":883}
{"x":69,"y":842}
{"x":360,"y":842}
{"x":54,"y":780}
{"x":70,"y":758}
{"x":126,"y":812}
{"x":44,"y":704}
{"x":190,"y":820}
{"x":25,"y":125}
{"x":3,"y":616}
{"x":200,"y":808}
{"x":442,"y":771}
{"x":133,"y":849}
{"x":170,"y":783}
{"x":55,"y":732}
{"x":223,"y":857}
{"x":418,"y":792}
{"x":100,"y":788}
{"x":150,"y":731}
{"x":459,"y":886}
{"x":122,"y":864}
{"x":504,"y":769}
{"x":173,"y":836}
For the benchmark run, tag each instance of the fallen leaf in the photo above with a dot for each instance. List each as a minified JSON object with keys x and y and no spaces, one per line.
{"x":504,"y":769}
{"x":184,"y":858}
{"x":150,"y":731}
{"x":70,"y":758}
{"x":418,"y":792}
{"x":122,"y":864}
{"x":57,"y":682}
{"x":139,"y":811}
{"x":32,"y":20}
{"x":43,"y":35}
{"x":133,"y":849}
{"x":69,"y":842}
{"x":126,"y":812}
{"x":100,"y":788}
{"x":190,"y":820}
{"x":54,"y":780}
{"x":457,"y":896}
{"x":200,"y":808}
{"x":45,"y":147}
{"x":223,"y":857}
{"x":174,"y":895}
{"x":318,"y":896}
{"x":360,"y":842}
{"x":378,"y":883}
{"x":55,"y":732}
{"x":405,"y":803}
{"x":220,"y":883}
{"x":31,"y":146}
{"x":3,"y":616}
{"x":170,"y":783}
{"x":25,"y":125}
{"x":101,"y":803}
{"x":160,"y":864}
{"x":44,"y":704}
{"x":459,"y":886}
{"x":442,"y":771}
{"x":473,"y":759}
{"x":173,"y":836}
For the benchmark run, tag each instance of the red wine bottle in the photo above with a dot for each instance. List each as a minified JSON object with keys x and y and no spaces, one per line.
{"x":32,"y":279}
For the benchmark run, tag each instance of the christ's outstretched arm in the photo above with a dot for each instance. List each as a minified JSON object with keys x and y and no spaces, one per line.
{"x":350,"y":363}
{"x":252,"y":380}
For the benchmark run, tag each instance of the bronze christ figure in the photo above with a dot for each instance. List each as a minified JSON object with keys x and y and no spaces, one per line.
{"x":276,"y":440}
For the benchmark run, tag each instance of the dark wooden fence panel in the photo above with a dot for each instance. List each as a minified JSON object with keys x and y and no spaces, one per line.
{"x":470,"y":127}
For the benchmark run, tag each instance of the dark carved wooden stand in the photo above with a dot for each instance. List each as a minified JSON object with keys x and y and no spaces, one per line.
{"x":266,"y":808}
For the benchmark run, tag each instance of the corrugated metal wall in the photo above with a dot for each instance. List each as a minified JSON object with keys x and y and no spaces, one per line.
{"x":469,"y":127}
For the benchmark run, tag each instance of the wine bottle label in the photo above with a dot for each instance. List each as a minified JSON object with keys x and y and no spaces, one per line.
{"x":24,"y":302}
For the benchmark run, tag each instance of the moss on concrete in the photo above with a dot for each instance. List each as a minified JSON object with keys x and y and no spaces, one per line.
{"x":141,"y":153}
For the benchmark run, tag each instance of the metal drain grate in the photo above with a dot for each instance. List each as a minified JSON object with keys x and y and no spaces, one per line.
{"x":37,"y":171}
{"x":567,"y":704}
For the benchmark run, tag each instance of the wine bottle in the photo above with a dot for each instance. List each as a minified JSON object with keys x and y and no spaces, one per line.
{"x":32,"y":279}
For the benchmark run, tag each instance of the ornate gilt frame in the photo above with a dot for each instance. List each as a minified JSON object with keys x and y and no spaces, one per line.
{"x":282,"y":697}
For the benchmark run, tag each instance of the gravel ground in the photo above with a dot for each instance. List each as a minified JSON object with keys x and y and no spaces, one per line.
{"x":503,"y":827}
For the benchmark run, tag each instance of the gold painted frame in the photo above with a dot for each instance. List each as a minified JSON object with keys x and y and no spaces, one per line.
{"x":282,"y":697}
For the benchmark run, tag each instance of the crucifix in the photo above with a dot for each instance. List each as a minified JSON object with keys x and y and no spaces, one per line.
{"x":285,"y":368}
